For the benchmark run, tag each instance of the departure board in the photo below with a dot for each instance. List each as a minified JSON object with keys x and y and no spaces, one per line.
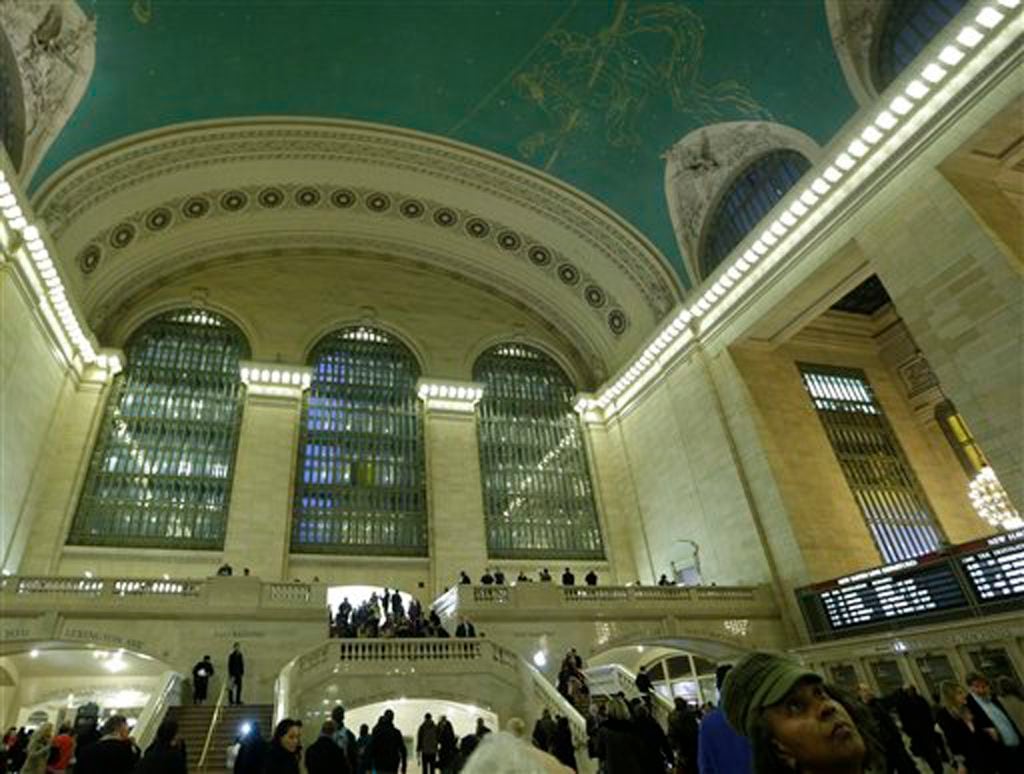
{"x":996,"y":573}
{"x":922,"y":590}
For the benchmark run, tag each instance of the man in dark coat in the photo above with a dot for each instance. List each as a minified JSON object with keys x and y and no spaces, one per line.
{"x":643,"y":684}
{"x":251,"y":752}
{"x":447,"y":744}
{"x":465,"y":629}
{"x":236,"y":669}
{"x":918,"y":721}
{"x":201,"y":674}
{"x":344,"y":738}
{"x":897,"y":760}
{"x":324,"y":756}
{"x":1004,"y":743}
{"x":568,"y":579}
{"x":387,"y":747}
{"x":114,"y":753}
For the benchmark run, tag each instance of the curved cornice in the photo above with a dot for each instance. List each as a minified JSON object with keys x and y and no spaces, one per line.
{"x":152,"y":194}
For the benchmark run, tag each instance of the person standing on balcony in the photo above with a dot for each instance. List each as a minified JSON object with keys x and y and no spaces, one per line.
{"x":487,"y":579}
{"x":201,"y":674}
{"x":499,"y":577}
{"x":568,"y":579}
{"x":465,"y":628}
{"x":591,"y":578}
{"x":545,"y":576}
{"x":427,"y":743}
{"x":236,"y":670}
{"x":464,"y":580}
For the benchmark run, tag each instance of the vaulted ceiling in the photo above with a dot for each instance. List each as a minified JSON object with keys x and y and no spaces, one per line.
{"x":592,"y":92}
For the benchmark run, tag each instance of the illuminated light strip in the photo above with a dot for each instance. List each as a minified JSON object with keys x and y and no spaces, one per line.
{"x":450,"y":396}
{"x":24,"y":237}
{"x":274,"y":378}
{"x":809,"y":206}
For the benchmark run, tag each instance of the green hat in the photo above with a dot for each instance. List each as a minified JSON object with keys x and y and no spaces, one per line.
{"x":759,"y":680}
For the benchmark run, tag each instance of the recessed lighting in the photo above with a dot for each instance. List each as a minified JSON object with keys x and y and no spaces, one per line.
{"x":1008,"y":3}
{"x":749,"y":257}
{"x":858,"y":148}
{"x":969,"y":37}
{"x":788,"y":219}
{"x":832,"y":174}
{"x":33,"y":653}
{"x":798,"y":209}
{"x":933,"y":73}
{"x":819,"y":186}
{"x":845,"y":161}
{"x":886,"y":120}
{"x":808,"y":198}
{"x":951,"y":55}
{"x":901,"y":105}
{"x":916,"y":90}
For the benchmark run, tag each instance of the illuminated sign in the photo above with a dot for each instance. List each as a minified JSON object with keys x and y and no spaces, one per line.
{"x":997,"y":573}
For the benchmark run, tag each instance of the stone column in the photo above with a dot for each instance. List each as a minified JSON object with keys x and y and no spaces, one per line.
{"x":457,"y":536}
{"x":38,"y":542}
{"x":260,"y":515}
{"x":960,"y":292}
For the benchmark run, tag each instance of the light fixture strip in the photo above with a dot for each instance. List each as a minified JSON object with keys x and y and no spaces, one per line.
{"x":275,"y":375}
{"x":450,"y":395}
{"x":809,"y":205}
{"x":27,"y":242}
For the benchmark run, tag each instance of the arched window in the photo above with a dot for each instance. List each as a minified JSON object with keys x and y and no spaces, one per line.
{"x":161,"y":472}
{"x":361,"y":479}
{"x":750,"y":197}
{"x":538,"y":497}
{"x":908,"y":27}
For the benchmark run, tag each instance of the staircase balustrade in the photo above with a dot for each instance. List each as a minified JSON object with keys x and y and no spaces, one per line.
{"x":152,"y":714}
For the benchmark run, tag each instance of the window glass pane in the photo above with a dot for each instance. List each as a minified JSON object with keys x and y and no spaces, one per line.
{"x":882,"y":482}
{"x":161,"y":471}
{"x":538,"y":497}
{"x":751,"y":196}
{"x":908,"y":27}
{"x":361,"y":479}
{"x":888,"y":676}
{"x":678,"y":666}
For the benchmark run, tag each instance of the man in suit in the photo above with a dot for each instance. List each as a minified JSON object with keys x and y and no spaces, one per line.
{"x":1005,"y":745}
{"x":236,"y":670}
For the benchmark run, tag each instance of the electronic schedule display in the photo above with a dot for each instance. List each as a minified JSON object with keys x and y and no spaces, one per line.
{"x":893,"y":596}
{"x":996,"y":573}
{"x":967,"y":580}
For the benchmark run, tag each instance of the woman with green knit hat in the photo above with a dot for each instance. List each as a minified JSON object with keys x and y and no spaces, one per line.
{"x":795,"y":721}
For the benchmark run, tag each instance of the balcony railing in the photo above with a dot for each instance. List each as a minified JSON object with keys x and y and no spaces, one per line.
{"x":142,"y":595}
{"x":551,"y":600}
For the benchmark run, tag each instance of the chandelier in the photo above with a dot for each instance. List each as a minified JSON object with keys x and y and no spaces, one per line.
{"x":992,"y":502}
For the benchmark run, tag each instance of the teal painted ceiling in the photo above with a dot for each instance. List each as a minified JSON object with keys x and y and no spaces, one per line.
{"x":592,"y":91}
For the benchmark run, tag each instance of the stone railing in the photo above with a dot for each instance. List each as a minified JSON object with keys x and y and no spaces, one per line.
{"x":141,"y":595}
{"x":168,"y":693}
{"x":422,"y":660}
{"x":610,"y":679}
{"x":573,"y":602}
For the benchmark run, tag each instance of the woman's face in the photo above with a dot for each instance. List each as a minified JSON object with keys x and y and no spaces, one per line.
{"x":812,"y":731}
{"x":290,"y":741}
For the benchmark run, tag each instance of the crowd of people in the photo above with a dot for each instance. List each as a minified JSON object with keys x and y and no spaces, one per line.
{"x":496,"y":577}
{"x":337,"y":750}
{"x":775,"y":716}
{"x":385,"y":615}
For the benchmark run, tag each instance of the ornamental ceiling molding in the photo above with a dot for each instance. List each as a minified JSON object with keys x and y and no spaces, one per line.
{"x":855,"y":26}
{"x":614,"y":250}
{"x":184,"y":211}
{"x":54,"y":47}
{"x":700,"y":168}
{"x":122,"y":306}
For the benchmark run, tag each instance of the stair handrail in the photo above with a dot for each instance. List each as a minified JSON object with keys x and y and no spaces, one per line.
{"x":214,"y":718}
{"x":153,"y":713}
{"x":556,"y":702}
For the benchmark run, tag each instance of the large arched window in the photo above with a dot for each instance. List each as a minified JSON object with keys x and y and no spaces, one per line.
{"x":361,"y":479}
{"x":908,"y":27}
{"x":750,"y":197}
{"x":161,"y":471}
{"x":538,"y":497}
